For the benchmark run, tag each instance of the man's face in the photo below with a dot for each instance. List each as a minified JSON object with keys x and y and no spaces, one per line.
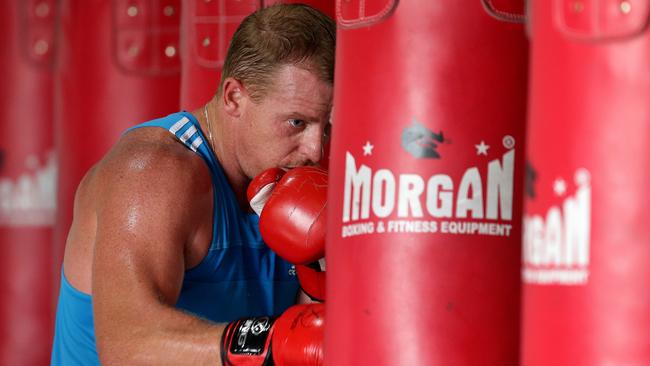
{"x":288,"y":126}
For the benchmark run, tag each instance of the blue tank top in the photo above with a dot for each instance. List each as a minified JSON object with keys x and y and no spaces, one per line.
{"x":240,"y":276}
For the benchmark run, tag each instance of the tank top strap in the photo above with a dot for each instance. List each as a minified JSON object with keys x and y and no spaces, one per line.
{"x":188,"y":131}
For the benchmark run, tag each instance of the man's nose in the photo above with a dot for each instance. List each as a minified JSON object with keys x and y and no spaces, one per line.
{"x":313,"y":145}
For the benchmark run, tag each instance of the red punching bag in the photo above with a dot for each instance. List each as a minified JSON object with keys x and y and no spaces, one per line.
{"x":117,"y":65}
{"x":326,"y":6}
{"x":27,"y":182}
{"x":586,"y":234}
{"x":426,"y":170}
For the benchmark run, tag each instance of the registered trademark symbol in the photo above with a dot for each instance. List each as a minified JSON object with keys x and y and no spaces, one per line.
{"x":508,"y":142}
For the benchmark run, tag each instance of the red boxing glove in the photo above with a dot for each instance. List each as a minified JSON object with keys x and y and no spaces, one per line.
{"x":312,"y":279}
{"x":260,"y":188}
{"x":293,"y":339}
{"x":311,"y":276}
{"x":292,"y":221}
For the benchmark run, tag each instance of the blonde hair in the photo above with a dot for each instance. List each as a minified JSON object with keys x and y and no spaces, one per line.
{"x":283,"y":34}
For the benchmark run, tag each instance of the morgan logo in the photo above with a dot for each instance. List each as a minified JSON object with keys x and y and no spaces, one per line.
{"x":420,"y":142}
{"x":477,"y":202}
{"x":556,"y":244}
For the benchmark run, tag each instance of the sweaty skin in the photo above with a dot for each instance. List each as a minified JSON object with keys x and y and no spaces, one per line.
{"x":132,"y":239}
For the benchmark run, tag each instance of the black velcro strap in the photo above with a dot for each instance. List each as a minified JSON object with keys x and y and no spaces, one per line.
{"x":248,"y":337}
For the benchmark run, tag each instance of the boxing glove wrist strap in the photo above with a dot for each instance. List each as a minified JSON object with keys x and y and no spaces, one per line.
{"x":247,"y":342}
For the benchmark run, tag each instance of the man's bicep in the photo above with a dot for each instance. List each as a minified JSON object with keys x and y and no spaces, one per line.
{"x":140,"y":240}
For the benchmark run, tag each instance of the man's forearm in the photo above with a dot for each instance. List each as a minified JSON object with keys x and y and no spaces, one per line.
{"x":164,"y":336}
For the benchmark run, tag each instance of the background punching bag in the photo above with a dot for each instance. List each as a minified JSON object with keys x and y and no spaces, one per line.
{"x":117,"y":65}
{"x":326,"y":6}
{"x":27,"y":182}
{"x":206,"y":30}
{"x":426,"y":167}
{"x":587,"y":238}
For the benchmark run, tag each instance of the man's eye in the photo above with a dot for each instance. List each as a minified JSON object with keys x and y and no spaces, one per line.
{"x":296,"y":122}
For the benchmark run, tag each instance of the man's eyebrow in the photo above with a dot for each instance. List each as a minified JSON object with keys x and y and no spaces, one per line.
{"x":302,"y":116}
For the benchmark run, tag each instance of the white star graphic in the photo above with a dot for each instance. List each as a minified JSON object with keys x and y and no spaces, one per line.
{"x":367,"y":148}
{"x":559,"y":186}
{"x":482,"y":148}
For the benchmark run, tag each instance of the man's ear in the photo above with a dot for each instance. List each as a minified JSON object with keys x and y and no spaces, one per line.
{"x":234,"y":96}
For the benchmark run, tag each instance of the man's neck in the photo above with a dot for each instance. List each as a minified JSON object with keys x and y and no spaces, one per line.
{"x":212,"y":119}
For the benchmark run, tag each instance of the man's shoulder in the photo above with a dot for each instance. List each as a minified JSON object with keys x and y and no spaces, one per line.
{"x":152,"y":156}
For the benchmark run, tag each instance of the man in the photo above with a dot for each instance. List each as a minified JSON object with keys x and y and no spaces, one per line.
{"x":163,"y":250}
